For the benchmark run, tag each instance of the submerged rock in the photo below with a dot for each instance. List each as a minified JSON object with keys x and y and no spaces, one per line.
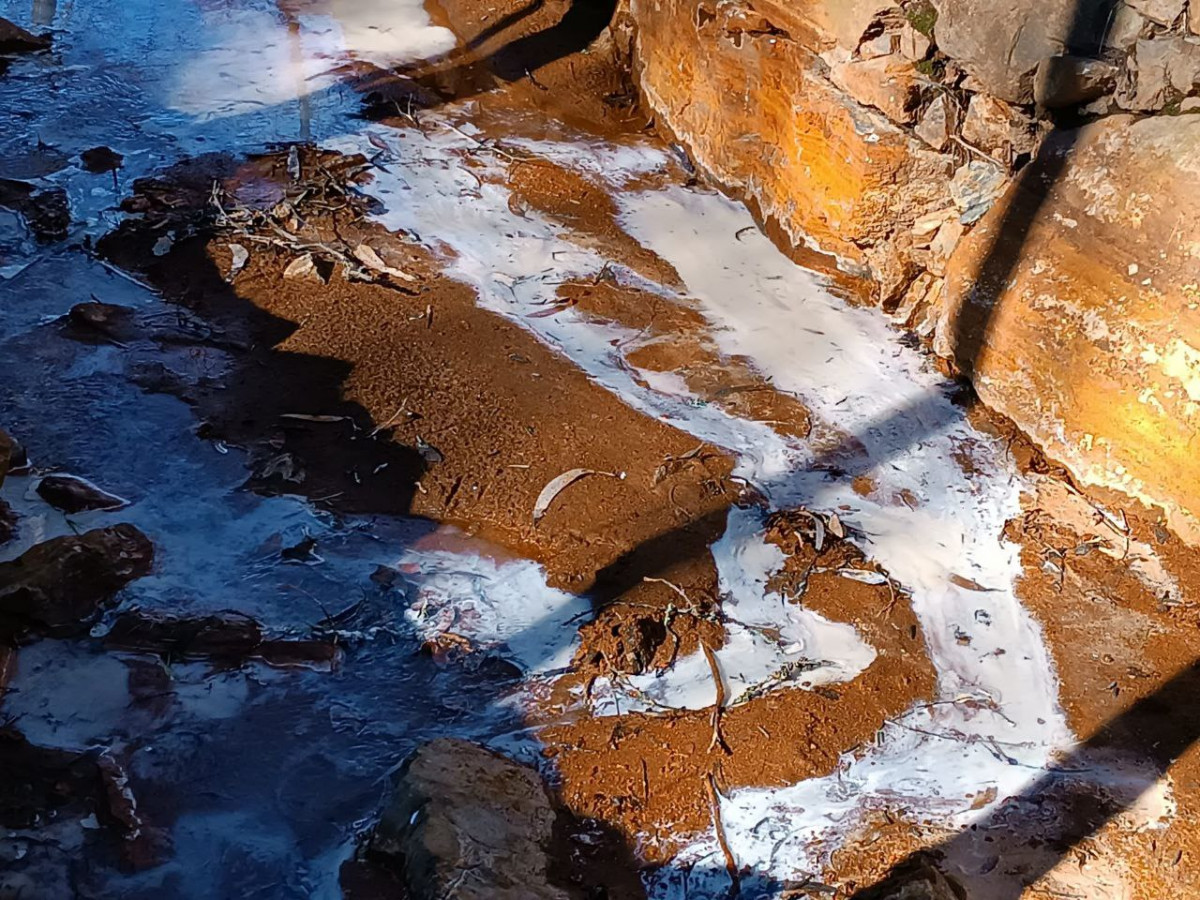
{"x":15,"y":39}
{"x":59,"y":586}
{"x":46,"y":211}
{"x":468,"y":824}
{"x":224,"y":637}
{"x":73,"y":494}
{"x":94,"y":320}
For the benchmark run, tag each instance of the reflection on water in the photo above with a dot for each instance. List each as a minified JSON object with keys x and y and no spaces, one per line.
{"x":269,"y":772}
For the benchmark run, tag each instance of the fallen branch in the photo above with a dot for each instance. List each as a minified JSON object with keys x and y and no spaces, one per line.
{"x":717,"y":739}
{"x":714,"y":806}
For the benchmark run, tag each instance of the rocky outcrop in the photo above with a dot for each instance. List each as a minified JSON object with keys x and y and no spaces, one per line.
{"x":465,"y":823}
{"x":747,"y":90}
{"x":883,"y":133}
{"x":1095,"y":353}
{"x":1001,"y":43}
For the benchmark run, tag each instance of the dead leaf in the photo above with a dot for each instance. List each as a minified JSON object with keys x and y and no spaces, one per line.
{"x":429,"y":453}
{"x":551,"y":310}
{"x":300,"y":267}
{"x":818,"y":534}
{"x":866,"y":576}
{"x":380,"y":144}
{"x":369,"y":258}
{"x":284,"y":466}
{"x":968,"y":584}
{"x":239,"y":256}
{"x":835,"y":527}
{"x":556,"y":486}
{"x":304,"y":417}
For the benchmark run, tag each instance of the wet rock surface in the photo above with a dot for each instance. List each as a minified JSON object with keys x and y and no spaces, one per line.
{"x":224,"y":638}
{"x":61,"y":585}
{"x":45,"y":210}
{"x":73,"y":494}
{"x":464,"y":822}
{"x":15,"y":39}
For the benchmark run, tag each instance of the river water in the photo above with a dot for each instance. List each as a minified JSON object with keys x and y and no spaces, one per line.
{"x":271,"y":774}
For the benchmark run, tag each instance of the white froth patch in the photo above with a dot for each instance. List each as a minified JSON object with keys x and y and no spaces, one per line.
{"x":770,"y":643}
{"x":857,"y":379}
{"x":496,"y":605}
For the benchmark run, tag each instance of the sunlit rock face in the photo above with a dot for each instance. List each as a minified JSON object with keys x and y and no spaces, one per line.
{"x":883,"y":132}
{"x":744,"y":89}
{"x":1084,"y":312}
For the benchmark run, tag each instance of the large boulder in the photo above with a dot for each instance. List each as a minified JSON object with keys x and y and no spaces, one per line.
{"x":749,"y":97}
{"x":465,"y":823}
{"x":1075,"y":307}
{"x":1001,"y":43}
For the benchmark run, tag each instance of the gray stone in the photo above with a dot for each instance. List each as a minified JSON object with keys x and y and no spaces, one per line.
{"x":1064,"y":81}
{"x":1164,"y":12}
{"x":997,"y":127}
{"x":468,"y":824}
{"x":1159,"y":68}
{"x":913,"y":44}
{"x":938,"y":122}
{"x":849,"y":19}
{"x":975,"y":187}
{"x":1125,"y":29}
{"x":1001,"y":43}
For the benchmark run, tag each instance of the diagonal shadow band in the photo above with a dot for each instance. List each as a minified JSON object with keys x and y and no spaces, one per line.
{"x":1148,"y":737}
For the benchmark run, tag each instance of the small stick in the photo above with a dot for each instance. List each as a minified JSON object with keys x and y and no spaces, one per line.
{"x":395,"y":417}
{"x":717,"y":739}
{"x":676,"y":588}
{"x":714,"y":806}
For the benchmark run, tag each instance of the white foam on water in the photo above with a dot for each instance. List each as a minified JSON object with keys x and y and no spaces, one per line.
{"x":257,"y":57}
{"x":496,"y":604}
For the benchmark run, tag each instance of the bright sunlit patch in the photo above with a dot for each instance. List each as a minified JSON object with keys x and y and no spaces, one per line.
{"x":255,"y":59}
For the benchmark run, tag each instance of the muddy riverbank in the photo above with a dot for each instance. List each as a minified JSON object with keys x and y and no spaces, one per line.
{"x":452,"y":402}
